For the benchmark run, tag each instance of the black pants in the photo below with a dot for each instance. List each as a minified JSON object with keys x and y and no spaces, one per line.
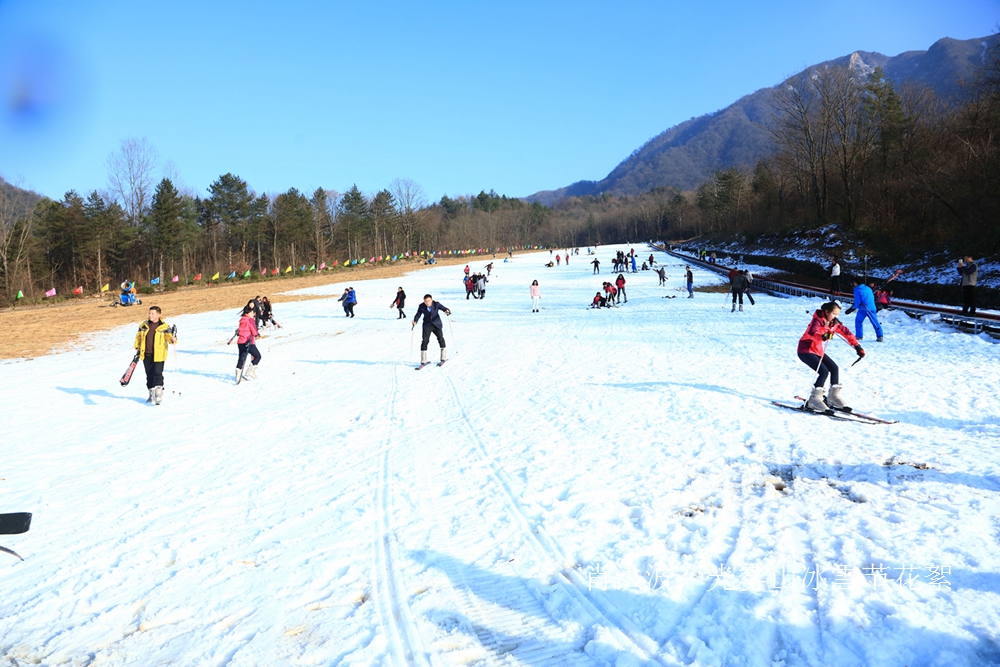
{"x":597,"y":269}
{"x":251,"y":349}
{"x":402,"y":315}
{"x":350,"y":309}
{"x":968,"y":299}
{"x":834,"y":284}
{"x":621,"y":294}
{"x":154,"y":372}
{"x":428,"y":330}
{"x":826,"y":367}
{"x":737,"y":293}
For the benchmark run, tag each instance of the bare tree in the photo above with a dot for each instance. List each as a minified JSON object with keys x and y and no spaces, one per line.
{"x":130,"y":176}
{"x":410,"y":198}
{"x":15,"y":229}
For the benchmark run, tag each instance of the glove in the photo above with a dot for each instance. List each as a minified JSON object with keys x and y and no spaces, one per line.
{"x":447,"y":312}
{"x":828,"y":335}
{"x":849,"y":310}
{"x":834,"y":322}
{"x":861,"y":350}
{"x":413,"y":326}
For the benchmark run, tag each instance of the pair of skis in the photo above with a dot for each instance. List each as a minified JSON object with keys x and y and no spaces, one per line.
{"x":14,"y":524}
{"x":846,"y":414}
{"x":439,"y":364}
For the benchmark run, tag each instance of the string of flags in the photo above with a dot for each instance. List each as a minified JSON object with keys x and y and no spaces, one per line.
{"x":323,"y":266}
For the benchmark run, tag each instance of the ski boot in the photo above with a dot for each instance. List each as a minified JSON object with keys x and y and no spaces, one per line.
{"x":252,"y":373}
{"x":734,"y":309}
{"x":834,"y":401}
{"x":157,"y":394}
{"x":239,"y":375}
{"x":444,"y":356}
{"x":423,"y":359}
{"x":815,"y":402}
{"x":149,"y":401}
{"x":879,"y":339}
{"x":741,"y":307}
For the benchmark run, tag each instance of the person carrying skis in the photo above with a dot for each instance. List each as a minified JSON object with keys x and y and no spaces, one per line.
{"x":597,"y":266}
{"x":662,"y":272}
{"x":248,"y":335}
{"x":620,"y":283}
{"x":536,"y":294}
{"x":399,"y":302}
{"x":737,"y":285}
{"x":489,"y":267}
{"x":864,"y":303}
{"x":651,"y":260}
{"x":151,"y":341}
{"x":812,"y":352}
{"x":689,"y":278}
{"x":431,"y":312}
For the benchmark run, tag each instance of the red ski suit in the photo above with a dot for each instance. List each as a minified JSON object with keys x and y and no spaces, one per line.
{"x":812,"y":340}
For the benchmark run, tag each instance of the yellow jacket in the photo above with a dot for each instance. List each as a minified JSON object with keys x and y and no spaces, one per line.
{"x":161,"y":339}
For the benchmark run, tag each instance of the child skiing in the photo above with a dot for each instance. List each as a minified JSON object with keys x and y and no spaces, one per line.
{"x":812,"y":352}
{"x":151,"y":343}
{"x":248,"y":336}
{"x":267,"y":313}
{"x":399,"y":302}
{"x":431,"y":311}
{"x":536,"y":294}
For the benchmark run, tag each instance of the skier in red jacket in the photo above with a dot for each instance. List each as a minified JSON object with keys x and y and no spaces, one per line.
{"x":620,"y":283}
{"x":812,"y":351}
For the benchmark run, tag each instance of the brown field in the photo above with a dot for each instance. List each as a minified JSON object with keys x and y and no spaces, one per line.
{"x":27,"y":332}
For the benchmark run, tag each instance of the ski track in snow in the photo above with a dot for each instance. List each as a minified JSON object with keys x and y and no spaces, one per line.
{"x":574,"y":487}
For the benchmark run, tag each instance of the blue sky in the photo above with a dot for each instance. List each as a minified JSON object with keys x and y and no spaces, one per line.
{"x":515,"y":96}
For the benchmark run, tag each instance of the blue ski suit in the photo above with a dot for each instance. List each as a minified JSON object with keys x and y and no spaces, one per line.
{"x":864,"y":303}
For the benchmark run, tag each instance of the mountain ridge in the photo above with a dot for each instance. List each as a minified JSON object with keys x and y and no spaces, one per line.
{"x":685,"y":155}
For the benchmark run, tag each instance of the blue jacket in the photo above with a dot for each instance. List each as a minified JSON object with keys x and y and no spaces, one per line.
{"x":432,"y":315}
{"x":352,"y":297}
{"x":864,"y":298}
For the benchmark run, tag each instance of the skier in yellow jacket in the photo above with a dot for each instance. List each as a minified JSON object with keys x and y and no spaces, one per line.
{"x":151,"y":341}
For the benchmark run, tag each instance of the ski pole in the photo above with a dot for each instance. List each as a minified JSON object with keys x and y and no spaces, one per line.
{"x":412,"y":330}
{"x":451,"y":331}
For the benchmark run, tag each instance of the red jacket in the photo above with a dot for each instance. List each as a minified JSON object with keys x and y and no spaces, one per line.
{"x":620,"y":282}
{"x":812,"y":339}
{"x":248,"y":330}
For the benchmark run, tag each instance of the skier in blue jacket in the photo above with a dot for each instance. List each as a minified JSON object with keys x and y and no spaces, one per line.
{"x":864,"y":303}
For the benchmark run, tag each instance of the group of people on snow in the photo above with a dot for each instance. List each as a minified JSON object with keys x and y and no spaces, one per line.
{"x":475,"y":285}
{"x":348,"y":300}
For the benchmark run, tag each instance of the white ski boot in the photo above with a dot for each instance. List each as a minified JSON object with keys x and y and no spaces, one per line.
{"x":423,"y":359}
{"x":734,"y":309}
{"x":741,"y":307}
{"x":252,"y":373}
{"x":238,"y":376}
{"x":815,"y":402}
{"x":834,"y":400}
{"x":149,"y":401}
{"x":157,"y":394}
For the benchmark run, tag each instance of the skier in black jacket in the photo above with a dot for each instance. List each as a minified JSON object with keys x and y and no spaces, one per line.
{"x":431,"y":310}
{"x":399,"y":302}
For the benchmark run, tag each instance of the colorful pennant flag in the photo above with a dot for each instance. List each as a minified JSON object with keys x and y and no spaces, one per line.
{"x":231,"y":275}
{"x":105,"y":288}
{"x":155,"y":281}
{"x":322,"y":266}
{"x":289,"y":269}
{"x":312,"y":268}
{"x":335,"y":262}
{"x":247,"y":274}
{"x":216,"y":276}
{"x":78,"y":290}
{"x":20,"y":294}
{"x":198,"y":277}
{"x":353,"y":262}
{"x":274,"y":272}
{"x":51,"y":293}
{"x":175,"y":279}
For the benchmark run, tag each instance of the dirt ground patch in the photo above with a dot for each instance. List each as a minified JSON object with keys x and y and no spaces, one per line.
{"x":31,"y":332}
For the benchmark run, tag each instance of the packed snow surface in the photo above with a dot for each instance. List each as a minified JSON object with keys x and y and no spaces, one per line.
{"x":581,"y":487}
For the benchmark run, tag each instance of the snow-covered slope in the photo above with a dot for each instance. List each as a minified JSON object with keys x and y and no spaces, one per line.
{"x":574,"y":487}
